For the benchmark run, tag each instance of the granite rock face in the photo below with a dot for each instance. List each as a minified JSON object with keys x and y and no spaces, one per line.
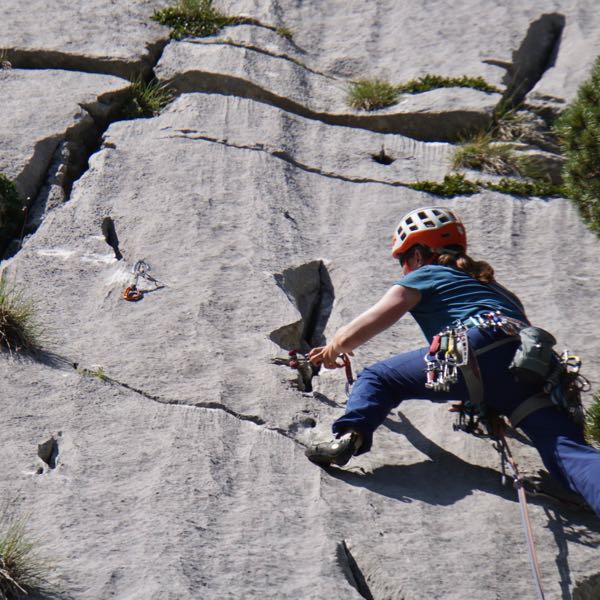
{"x":158,"y":445}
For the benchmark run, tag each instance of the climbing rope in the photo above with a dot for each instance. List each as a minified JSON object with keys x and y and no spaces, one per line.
{"x":507,"y":459}
{"x":141,"y":270}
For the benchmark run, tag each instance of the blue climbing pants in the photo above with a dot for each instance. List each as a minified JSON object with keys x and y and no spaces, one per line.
{"x":382,"y":386}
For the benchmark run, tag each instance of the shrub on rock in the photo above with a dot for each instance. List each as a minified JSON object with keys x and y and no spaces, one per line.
{"x":578,"y":129}
{"x":592,"y":422}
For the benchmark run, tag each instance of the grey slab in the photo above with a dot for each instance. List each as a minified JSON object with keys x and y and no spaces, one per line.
{"x":210,"y":219}
{"x":152,"y":501}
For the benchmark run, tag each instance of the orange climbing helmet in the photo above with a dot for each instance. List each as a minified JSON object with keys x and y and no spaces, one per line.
{"x":434,"y":226}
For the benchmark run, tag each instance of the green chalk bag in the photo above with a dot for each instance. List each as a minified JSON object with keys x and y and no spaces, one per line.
{"x":533,"y":359}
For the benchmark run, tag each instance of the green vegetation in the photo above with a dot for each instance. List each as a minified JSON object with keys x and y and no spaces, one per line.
{"x":98,"y":373}
{"x":193,"y":18}
{"x":592,"y":422}
{"x":373,"y":94}
{"x":433,"y":82}
{"x":19,"y":329}
{"x":146,"y":99}
{"x":578,"y":131}
{"x":483,"y":154}
{"x":21,"y":571}
{"x":285,"y":32}
{"x":519,"y":187}
{"x":12,"y":214}
{"x":453,"y":185}
{"x":198,"y":18}
{"x":458,"y":185}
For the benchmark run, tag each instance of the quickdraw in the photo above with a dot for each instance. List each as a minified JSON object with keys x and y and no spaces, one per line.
{"x":300,"y":362}
{"x":449,"y":350}
{"x":565,"y":385}
{"x":142,"y":270}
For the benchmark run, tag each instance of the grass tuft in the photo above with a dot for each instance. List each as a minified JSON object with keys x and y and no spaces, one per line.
{"x":592,"y":422}
{"x":199,"y":18}
{"x":578,"y":132}
{"x":146,"y":99}
{"x":285,"y":32}
{"x":193,"y":18}
{"x":482,"y":154}
{"x":19,"y":329}
{"x":21,"y":571}
{"x":523,"y":126}
{"x":372,"y":94}
{"x":427,"y":83}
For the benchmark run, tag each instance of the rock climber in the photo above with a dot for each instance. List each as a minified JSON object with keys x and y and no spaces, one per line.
{"x":444,"y":289}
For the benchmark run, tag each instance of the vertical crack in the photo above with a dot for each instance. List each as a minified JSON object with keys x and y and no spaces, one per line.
{"x":353,"y":572}
{"x":536,"y":54}
{"x":73,"y":150}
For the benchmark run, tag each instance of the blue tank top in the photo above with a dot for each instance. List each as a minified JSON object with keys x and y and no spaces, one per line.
{"x":449,"y":294}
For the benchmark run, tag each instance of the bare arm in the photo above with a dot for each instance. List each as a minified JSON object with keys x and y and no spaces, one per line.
{"x":395,"y":303}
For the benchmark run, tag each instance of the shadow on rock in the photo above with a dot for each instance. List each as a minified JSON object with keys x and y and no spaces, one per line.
{"x":446,"y":479}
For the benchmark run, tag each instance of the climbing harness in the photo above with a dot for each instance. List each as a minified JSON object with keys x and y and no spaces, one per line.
{"x":449,"y":352}
{"x":559,"y":375}
{"x":142,"y":270}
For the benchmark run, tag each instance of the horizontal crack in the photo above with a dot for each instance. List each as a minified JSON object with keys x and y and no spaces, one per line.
{"x":99,"y":374}
{"x":218,"y":406}
{"x":283,"y":155}
{"x":53,"y":59}
{"x":418,"y":185}
{"x":448,"y":126}
{"x":251,"y":47}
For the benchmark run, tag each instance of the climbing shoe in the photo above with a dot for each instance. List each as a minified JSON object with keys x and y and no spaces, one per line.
{"x":336,"y":452}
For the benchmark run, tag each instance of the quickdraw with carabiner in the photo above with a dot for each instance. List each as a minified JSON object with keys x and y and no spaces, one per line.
{"x":142,"y":270}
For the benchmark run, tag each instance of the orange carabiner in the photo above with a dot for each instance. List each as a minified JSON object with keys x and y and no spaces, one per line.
{"x":132,"y":294}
